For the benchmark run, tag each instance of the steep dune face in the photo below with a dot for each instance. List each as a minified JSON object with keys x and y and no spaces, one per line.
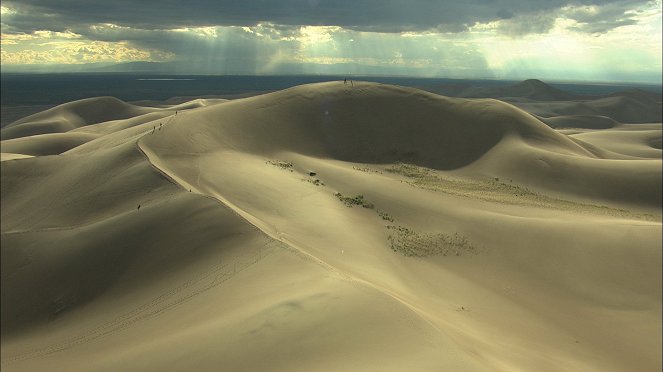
{"x":46,"y":144}
{"x":624,"y":109}
{"x":368,"y":123}
{"x":63,"y":249}
{"x":581,"y":121}
{"x":531,"y":89}
{"x":633,"y":141}
{"x":332,"y":227}
{"x":378,"y":124}
{"x":563,"y":109}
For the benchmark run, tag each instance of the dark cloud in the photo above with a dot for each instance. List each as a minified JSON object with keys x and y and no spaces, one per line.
{"x":603,"y":26}
{"x":601,"y":19}
{"x":530,"y":24}
{"x":273,"y":42}
{"x":362,"y":15}
{"x":226,"y":41}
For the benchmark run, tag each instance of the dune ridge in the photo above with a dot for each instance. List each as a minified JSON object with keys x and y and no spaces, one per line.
{"x":72,"y":115}
{"x":476,"y":237}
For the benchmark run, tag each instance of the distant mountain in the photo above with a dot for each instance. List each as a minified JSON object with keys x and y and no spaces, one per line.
{"x":535,"y":90}
{"x":621,"y":108}
{"x":639,"y":95}
{"x":532,"y":89}
{"x":560,"y":109}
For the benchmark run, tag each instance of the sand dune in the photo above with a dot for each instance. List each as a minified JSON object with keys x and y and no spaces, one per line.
{"x":640,"y":95}
{"x":72,"y":115}
{"x":563,"y":109}
{"x":189,"y":101}
{"x":10,"y":114}
{"x":372,"y":123}
{"x":46,"y":144}
{"x":330,"y":227}
{"x":642,"y":143}
{"x":531,"y":89}
{"x":12,"y":156}
{"x":580,"y":121}
{"x":622,"y":109}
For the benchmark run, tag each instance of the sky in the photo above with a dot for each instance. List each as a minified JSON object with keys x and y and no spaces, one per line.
{"x":583,"y":40}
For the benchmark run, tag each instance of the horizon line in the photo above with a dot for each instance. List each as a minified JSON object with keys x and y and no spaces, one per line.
{"x":162,"y":73}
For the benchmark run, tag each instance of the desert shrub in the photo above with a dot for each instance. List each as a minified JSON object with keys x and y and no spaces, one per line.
{"x":385,"y":216}
{"x":281,"y":164}
{"x":411,"y":243}
{"x":356,"y":200}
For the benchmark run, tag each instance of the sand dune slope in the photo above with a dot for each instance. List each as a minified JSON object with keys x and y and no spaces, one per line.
{"x":368,"y":123}
{"x":636,"y":141}
{"x":624,"y":109}
{"x":46,"y":144}
{"x":580,"y":121}
{"x":531,"y":89}
{"x":333,"y":227}
{"x":384,"y":124}
{"x":72,"y":115}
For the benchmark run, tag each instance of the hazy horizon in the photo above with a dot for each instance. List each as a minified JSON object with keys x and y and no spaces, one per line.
{"x":117,"y":69}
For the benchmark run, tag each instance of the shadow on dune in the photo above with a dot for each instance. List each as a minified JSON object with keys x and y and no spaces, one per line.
{"x":367,"y":123}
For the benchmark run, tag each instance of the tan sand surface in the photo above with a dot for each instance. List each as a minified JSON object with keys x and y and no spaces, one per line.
{"x":329,"y":227}
{"x":624,"y":109}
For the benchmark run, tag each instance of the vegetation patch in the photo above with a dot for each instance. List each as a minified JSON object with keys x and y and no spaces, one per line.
{"x":493,"y":190}
{"x":281,"y":164}
{"x":360,"y":200}
{"x":385,"y":216}
{"x":316,"y":181}
{"x":356,"y":200}
{"x":366,"y":170}
{"x":411,"y":243}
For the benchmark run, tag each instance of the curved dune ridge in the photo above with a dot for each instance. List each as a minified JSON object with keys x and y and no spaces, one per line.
{"x":623,"y":108}
{"x":46,"y":144}
{"x":531,"y":89}
{"x":72,"y":115}
{"x":329,"y":227}
{"x":366,"y":123}
{"x":580,"y":121}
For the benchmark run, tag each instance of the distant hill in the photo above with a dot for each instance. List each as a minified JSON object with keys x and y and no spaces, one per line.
{"x":532,"y":89}
{"x":638,"y":95}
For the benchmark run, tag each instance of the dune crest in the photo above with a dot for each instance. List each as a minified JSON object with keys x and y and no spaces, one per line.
{"x":371,"y":123}
{"x":72,"y":115}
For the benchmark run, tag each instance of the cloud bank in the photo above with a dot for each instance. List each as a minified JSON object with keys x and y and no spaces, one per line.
{"x":416,"y":37}
{"x":361,"y":15}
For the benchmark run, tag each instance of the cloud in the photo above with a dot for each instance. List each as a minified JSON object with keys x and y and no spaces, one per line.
{"x":524,"y":25}
{"x":76,"y":52}
{"x":359,"y":15}
{"x":600,"y":19}
{"x":416,"y":37}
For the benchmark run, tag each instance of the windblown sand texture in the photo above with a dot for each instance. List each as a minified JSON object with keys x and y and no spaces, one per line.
{"x":330,"y":227}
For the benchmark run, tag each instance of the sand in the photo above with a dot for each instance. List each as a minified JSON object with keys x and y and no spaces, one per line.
{"x":331,"y":227}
